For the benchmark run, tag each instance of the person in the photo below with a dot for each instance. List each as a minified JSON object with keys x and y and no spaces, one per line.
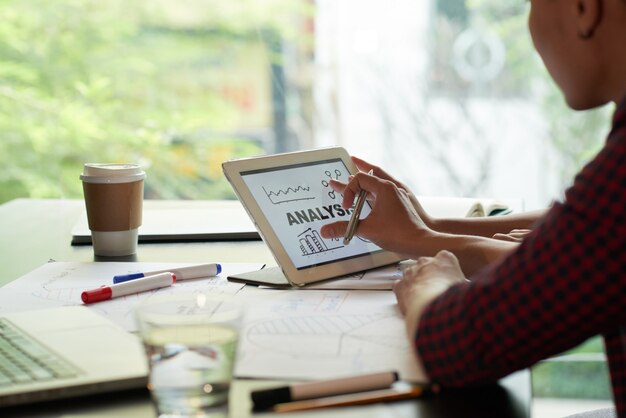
{"x":565,"y":281}
{"x":415,"y":233}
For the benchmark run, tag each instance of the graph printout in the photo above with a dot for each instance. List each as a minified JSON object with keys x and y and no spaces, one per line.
{"x":320,"y":334}
{"x":296,"y":201}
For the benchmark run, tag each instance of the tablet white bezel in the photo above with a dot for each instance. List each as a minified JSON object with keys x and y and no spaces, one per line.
{"x":233,"y":170}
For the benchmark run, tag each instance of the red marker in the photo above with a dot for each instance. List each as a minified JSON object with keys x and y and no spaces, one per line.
{"x":128,"y":288}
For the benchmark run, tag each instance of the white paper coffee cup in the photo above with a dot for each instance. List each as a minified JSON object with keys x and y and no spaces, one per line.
{"x":114,"y":202}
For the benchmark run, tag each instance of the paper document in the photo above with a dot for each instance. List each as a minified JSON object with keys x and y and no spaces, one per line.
{"x":323,"y":334}
{"x":61,"y":283}
{"x":375,"y":279}
{"x":288,"y":334}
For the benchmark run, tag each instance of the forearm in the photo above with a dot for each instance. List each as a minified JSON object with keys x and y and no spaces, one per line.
{"x":473,"y":252}
{"x":486,"y":226}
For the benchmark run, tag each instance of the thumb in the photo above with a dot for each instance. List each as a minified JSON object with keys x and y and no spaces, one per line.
{"x":334,"y":230}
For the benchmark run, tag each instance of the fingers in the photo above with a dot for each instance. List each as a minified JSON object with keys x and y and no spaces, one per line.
{"x":504,"y":237}
{"x":443,"y":261}
{"x":360,"y":181}
{"x":516,"y":235}
{"x":520,"y":233}
{"x":443,"y":266}
{"x":405,"y":288}
{"x":413,"y":273}
{"x":377,"y":171}
{"x":443,"y":255}
{"x":334,"y":230}
{"x":447,"y":256}
{"x":337,"y":185}
{"x":364,"y":166}
{"x":399,"y":289}
{"x":416,"y":266}
{"x":426,"y":279}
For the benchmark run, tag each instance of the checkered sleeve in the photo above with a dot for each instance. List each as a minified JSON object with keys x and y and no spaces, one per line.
{"x":565,"y":283}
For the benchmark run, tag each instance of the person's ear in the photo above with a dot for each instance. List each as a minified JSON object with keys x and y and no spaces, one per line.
{"x":588,"y":16}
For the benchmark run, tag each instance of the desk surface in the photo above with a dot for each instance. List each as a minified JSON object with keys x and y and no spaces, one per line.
{"x":33,"y":231}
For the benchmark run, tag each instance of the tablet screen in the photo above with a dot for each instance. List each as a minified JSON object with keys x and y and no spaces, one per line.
{"x":297,"y":200}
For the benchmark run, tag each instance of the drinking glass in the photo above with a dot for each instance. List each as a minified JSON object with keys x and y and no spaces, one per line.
{"x":191,"y":344}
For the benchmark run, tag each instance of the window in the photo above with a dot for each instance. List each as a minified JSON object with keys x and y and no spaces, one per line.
{"x":448,"y":94}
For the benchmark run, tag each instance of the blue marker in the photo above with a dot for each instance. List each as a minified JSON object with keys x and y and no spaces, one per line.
{"x":182,"y":273}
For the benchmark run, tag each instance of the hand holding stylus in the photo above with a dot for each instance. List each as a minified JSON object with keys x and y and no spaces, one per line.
{"x":354,"y":219}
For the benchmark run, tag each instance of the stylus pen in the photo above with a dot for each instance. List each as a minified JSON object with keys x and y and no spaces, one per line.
{"x":128,"y":288}
{"x":354,"y":219}
{"x":182,"y":273}
{"x":267,"y":398}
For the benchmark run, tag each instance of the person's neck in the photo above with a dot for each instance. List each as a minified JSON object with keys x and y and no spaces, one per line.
{"x":617,"y":74}
{"x":621,"y":96}
{"x":615,"y":60}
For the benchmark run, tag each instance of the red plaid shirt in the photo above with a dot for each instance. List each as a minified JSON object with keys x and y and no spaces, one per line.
{"x":564,"y":284}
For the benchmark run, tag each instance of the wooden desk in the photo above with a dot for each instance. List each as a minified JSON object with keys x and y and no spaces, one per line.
{"x":33,"y":231}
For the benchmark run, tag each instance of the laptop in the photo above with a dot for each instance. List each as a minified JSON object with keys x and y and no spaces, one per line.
{"x":289,"y":198}
{"x":64,"y":352}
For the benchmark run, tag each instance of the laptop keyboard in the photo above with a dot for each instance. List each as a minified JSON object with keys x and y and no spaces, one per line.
{"x":24,"y":360}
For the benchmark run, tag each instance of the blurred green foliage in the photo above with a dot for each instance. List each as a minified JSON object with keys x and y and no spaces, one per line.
{"x":572,"y":376}
{"x":117,"y":81}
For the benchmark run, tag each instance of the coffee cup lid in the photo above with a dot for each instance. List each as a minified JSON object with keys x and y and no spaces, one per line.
{"x":112,"y":173}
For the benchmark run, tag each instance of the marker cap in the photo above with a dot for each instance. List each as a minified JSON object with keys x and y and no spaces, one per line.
{"x":120,"y":278}
{"x":96,"y":295}
{"x":265,"y":399}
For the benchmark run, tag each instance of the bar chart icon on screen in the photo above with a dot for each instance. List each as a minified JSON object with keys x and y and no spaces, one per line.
{"x":311,"y":242}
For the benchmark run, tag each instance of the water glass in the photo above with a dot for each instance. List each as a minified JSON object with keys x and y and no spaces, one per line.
{"x":191,"y":343}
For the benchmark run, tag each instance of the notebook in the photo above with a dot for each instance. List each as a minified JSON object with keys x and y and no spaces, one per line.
{"x":64,"y":352}
{"x":184,"y":220}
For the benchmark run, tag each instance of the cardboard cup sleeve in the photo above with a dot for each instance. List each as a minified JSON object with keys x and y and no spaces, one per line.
{"x":114,"y":207}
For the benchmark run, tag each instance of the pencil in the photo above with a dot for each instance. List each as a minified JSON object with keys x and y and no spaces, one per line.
{"x":354,"y":219}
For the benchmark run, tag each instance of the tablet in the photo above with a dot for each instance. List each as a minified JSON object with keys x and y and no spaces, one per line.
{"x":289,"y":198}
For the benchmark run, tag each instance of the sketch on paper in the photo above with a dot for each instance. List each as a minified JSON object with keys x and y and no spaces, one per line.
{"x":340,"y":335}
{"x":322,"y":334}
